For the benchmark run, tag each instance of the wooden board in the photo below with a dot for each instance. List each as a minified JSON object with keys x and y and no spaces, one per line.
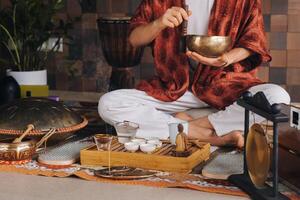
{"x":161,"y":159}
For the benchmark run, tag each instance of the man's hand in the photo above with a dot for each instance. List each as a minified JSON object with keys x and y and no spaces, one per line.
{"x":145,"y":34}
{"x":221,"y":61}
{"x":173,"y":17}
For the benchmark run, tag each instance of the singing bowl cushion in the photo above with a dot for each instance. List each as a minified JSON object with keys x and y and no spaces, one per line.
{"x":43,"y":113}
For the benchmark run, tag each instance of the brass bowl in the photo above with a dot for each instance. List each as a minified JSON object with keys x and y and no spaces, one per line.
{"x":208,"y":46}
{"x":17,"y":151}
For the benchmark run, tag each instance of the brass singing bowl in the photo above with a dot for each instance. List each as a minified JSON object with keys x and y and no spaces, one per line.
{"x":10,"y":150}
{"x":17,"y":151}
{"x":208,"y":46}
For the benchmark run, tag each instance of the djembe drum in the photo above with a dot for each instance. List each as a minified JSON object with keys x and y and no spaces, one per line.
{"x":114,"y":32}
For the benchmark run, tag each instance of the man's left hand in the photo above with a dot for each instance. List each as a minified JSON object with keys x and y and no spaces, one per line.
{"x":221,"y":61}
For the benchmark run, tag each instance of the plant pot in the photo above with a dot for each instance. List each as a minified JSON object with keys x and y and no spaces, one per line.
{"x":32,"y":83}
{"x":29,"y":77}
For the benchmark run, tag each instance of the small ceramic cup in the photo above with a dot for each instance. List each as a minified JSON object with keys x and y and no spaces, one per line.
{"x":156,"y":142}
{"x":131,"y":146}
{"x":147,"y":148}
{"x":139,"y":141}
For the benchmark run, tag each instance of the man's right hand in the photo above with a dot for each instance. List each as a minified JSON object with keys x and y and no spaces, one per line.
{"x":173,"y":17}
{"x":145,"y":34}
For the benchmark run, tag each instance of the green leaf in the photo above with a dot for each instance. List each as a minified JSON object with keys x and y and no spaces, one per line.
{"x":29,"y":23}
{"x":16,"y":58}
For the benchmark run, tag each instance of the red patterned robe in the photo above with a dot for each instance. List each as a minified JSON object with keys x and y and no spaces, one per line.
{"x":219,"y":87}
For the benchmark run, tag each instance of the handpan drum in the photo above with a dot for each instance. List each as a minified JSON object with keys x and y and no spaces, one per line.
{"x":44,"y":114}
{"x":114,"y":31}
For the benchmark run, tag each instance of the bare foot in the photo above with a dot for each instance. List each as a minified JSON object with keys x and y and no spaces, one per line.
{"x":234,"y":138}
{"x":240,"y":142}
{"x":183,"y":116}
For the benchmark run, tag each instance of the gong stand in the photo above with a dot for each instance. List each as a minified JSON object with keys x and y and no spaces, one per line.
{"x":259,"y":104}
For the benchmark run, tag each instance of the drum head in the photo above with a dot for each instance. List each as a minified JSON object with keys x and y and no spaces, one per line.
{"x":115,"y":17}
{"x":257,"y":155}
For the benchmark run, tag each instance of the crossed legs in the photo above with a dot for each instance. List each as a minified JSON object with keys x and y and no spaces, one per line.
{"x":203,"y":130}
{"x":222,"y":128}
{"x":226,"y":127}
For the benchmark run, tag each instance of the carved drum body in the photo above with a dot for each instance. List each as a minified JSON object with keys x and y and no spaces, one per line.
{"x":118,"y":52}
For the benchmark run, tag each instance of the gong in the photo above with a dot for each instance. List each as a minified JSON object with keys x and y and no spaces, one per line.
{"x":260,"y":150}
{"x":258,"y":155}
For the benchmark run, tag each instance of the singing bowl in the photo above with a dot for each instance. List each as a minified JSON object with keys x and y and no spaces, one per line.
{"x":258,"y":155}
{"x":17,"y":151}
{"x":208,"y":46}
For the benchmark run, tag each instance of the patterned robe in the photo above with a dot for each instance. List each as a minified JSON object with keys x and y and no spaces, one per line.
{"x":219,"y":87}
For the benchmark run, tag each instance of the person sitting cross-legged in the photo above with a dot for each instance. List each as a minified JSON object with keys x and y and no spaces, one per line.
{"x":188,"y":80}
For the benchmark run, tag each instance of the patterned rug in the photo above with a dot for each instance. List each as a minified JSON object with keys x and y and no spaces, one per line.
{"x":162,"y":179}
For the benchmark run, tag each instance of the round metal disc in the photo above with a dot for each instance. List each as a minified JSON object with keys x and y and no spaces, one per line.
{"x":43,"y":113}
{"x":257,"y":155}
{"x":124,"y":173}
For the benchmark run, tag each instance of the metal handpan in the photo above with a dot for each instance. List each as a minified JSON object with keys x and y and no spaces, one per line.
{"x":44,"y":114}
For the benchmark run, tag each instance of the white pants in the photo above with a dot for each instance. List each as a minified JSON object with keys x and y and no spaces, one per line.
{"x":154,"y":115}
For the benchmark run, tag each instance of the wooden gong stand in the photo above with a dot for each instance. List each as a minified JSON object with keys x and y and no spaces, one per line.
{"x":259,"y":104}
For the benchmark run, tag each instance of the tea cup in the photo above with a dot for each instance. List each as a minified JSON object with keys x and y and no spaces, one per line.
{"x":131,"y":146}
{"x":103,"y":141}
{"x":147,"y":148}
{"x":156,"y":142}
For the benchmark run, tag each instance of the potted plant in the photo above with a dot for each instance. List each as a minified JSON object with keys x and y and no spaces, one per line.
{"x":29,"y":32}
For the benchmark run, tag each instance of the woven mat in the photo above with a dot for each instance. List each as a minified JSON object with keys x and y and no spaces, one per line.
{"x":162,"y":180}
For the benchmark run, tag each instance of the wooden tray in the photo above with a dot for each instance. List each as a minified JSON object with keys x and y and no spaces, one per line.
{"x":161,"y":159}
